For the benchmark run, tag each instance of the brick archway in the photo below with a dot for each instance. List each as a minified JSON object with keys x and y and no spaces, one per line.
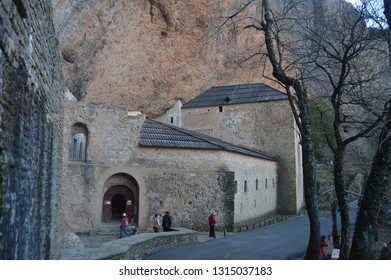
{"x":121,"y":194}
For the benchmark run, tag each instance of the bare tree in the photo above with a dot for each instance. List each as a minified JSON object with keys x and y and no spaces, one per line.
{"x":342,"y":58}
{"x":375,"y":189}
{"x":330,"y":55}
{"x":298,"y":98}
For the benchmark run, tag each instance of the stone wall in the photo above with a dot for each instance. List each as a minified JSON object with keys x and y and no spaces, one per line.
{"x":249,"y":203}
{"x":112,"y":130}
{"x":265,"y":126}
{"x":31,"y":99}
{"x":191,"y":196}
{"x":133,"y":248}
{"x":112,"y":137}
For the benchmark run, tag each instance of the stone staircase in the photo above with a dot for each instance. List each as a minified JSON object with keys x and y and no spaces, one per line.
{"x":108,"y":231}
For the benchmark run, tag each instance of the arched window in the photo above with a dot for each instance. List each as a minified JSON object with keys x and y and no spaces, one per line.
{"x":79,"y":141}
{"x":256,"y":184}
{"x":245,"y":186}
{"x":78,"y":148}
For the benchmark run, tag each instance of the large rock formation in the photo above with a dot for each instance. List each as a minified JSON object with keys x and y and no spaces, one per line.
{"x":147,"y":54}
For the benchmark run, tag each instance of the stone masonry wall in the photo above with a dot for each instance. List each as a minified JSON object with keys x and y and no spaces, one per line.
{"x":190,"y":168}
{"x":265,"y":126}
{"x":112,"y":130}
{"x":112,"y":138}
{"x":191,"y":196}
{"x":31,"y":99}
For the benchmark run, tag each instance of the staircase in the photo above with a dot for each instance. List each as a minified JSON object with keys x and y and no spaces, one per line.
{"x":108,"y":231}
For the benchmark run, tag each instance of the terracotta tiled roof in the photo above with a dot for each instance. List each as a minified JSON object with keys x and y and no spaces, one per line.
{"x":157,"y":134}
{"x":236,"y":94}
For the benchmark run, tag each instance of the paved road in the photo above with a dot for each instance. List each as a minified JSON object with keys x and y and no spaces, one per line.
{"x":277,"y":242}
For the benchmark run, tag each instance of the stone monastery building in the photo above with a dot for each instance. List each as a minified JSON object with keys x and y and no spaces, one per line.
{"x":233,"y":150}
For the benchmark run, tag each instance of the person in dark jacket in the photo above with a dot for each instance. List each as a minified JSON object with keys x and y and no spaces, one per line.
{"x":212,"y":224}
{"x":167,"y":221}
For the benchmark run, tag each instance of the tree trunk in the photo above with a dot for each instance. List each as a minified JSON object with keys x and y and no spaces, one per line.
{"x":375,"y":190}
{"x":342,"y":202}
{"x":300,"y":110}
{"x":311,"y":200}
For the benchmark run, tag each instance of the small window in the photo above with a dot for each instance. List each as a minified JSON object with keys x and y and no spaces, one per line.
{"x":273,"y":184}
{"x":236,"y":186}
{"x":78,"y":147}
{"x":172,"y":120}
{"x":256,"y":184}
{"x":220,"y":109}
{"x":266,"y":183}
{"x":245,"y":186}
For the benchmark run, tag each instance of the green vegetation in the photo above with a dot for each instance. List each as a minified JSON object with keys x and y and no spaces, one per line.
{"x":322,"y":124}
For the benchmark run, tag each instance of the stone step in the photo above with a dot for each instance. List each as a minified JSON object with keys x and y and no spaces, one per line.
{"x":109,"y":229}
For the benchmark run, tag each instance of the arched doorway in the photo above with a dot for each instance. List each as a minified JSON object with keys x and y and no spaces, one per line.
{"x":121,"y":196}
{"x":118,"y":205}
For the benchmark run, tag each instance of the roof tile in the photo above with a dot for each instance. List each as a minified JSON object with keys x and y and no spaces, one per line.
{"x":236,"y":94}
{"x":157,"y":134}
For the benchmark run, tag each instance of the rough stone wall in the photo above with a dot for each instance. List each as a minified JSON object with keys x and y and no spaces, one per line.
{"x":250,"y":204}
{"x":190,"y":196}
{"x":113,"y":134}
{"x":265,"y":126}
{"x":31,"y":99}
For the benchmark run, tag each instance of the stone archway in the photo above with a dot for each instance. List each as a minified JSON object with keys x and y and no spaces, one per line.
{"x":121,"y":194}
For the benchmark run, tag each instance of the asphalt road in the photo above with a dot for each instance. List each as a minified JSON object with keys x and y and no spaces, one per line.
{"x":281,"y":241}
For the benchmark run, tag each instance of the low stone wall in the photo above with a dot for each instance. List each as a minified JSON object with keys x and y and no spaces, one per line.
{"x":132,"y":248}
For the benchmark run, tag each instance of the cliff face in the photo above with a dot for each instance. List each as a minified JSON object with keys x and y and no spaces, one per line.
{"x":147,"y":54}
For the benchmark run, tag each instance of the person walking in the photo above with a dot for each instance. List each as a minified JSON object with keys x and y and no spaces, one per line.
{"x":323,"y":245}
{"x":167,"y":221}
{"x":156,"y":223}
{"x":124,"y":224}
{"x":212,"y":224}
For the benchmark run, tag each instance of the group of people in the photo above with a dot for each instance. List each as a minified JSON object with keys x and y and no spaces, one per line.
{"x":165,"y":224}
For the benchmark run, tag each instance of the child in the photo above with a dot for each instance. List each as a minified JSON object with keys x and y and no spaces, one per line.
{"x":124,"y":223}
